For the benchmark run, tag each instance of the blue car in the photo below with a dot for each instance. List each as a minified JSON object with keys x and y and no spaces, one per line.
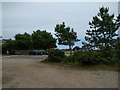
{"x":37,"y":52}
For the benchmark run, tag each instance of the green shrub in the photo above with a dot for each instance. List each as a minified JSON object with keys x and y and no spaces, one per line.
{"x":12,"y":52}
{"x":56,"y":55}
{"x":48,"y":50}
{"x":6,"y":48}
{"x":70,"y":59}
{"x":109,"y":60}
{"x":94,"y":58}
{"x":106,"y":51}
{"x":84,"y":58}
{"x":90,"y":58}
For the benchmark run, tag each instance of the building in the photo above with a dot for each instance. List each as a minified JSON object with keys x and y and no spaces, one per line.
{"x":84,"y":49}
{"x":81,"y":49}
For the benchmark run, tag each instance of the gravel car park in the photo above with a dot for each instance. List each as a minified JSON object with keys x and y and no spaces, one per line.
{"x":26,"y":71}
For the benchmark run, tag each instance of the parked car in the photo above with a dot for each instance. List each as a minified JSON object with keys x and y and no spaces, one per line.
{"x":37,"y":52}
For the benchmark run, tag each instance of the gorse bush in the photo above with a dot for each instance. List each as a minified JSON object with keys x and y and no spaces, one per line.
{"x":91,"y":58}
{"x":109,"y":60}
{"x":71,"y":59}
{"x":117,"y":48}
{"x":82,"y":58}
{"x":85,"y":58}
{"x":106,"y":51}
{"x":48,"y":50}
{"x":56,"y":55}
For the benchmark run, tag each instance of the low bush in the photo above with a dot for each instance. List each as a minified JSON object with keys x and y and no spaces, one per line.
{"x":109,"y":60}
{"x":48,"y":50}
{"x":91,"y":58}
{"x":82,"y":58}
{"x":56,"y":55}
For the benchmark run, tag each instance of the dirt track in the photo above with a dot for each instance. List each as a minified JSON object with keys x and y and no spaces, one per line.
{"x":28,"y":72}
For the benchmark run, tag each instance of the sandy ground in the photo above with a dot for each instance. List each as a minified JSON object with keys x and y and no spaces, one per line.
{"x":28,"y":72}
{"x":0,"y":72}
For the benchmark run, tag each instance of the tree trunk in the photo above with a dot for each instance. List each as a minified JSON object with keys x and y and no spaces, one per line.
{"x":70,"y":49}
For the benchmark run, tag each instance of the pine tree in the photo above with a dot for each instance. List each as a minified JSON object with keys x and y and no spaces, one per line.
{"x":102,"y":30}
{"x":65,"y":35}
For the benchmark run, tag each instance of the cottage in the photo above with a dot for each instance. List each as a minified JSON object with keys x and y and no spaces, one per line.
{"x":83,"y":49}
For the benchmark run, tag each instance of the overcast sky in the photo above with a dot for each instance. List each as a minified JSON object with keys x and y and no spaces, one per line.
{"x":29,"y":16}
